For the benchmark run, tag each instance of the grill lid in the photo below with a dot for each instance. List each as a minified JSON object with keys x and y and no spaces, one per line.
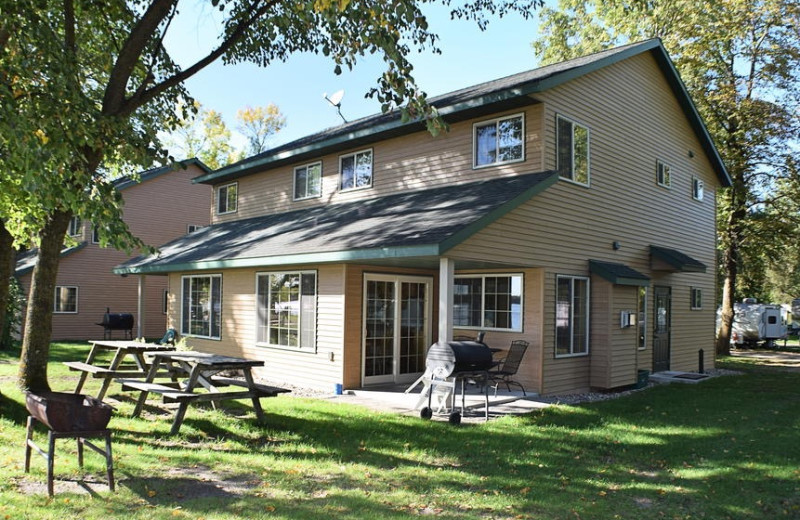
{"x":447,"y":358}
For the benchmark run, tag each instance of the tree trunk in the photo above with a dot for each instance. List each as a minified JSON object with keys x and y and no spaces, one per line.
{"x":7,"y":258}
{"x":38,"y":319}
{"x":728,"y":297}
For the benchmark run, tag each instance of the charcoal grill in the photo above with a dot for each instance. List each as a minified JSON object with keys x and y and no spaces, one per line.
{"x":117,"y":321}
{"x":451,"y":362}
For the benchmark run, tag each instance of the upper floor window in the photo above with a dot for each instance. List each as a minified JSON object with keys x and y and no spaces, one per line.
{"x":488,"y":302}
{"x":227,"y":198}
{"x":697,"y":188}
{"x":572,"y":150}
{"x":201,"y":306}
{"x":572,"y":316}
{"x":66,"y":301}
{"x":75,"y":228}
{"x":287,"y":309}
{"x":663,"y":174}
{"x":95,"y":234}
{"x":499,"y":141}
{"x":355,"y":170}
{"x":191,"y":228}
{"x":308,"y":181}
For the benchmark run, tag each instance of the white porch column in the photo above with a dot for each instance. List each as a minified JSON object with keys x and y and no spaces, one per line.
{"x":140,"y":308}
{"x":447,"y":269}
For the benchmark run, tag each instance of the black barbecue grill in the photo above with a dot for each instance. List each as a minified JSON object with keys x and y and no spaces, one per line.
{"x":447,"y":363}
{"x":117,"y":321}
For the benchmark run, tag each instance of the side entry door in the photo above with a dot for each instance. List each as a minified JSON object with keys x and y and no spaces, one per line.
{"x":661,"y":328}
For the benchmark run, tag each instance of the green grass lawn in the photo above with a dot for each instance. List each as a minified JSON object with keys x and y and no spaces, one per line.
{"x":726,"y":448}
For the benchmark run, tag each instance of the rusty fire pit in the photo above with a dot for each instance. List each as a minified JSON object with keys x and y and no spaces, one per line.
{"x":65,"y":412}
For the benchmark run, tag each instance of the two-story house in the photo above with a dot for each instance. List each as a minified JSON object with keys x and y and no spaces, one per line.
{"x":572,"y":206}
{"x":161,"y":205}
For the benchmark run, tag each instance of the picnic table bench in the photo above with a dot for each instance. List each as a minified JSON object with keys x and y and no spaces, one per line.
{"x":201,"y":369}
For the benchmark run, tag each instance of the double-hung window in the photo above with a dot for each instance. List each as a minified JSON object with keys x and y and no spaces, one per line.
{"x":355,"y":170}
{"x":499,"y":141}
{"x":75,"y":227}
{"x":572,"y":316}
{"x":572,"y":150}
{"x":66,"y":301}
{"x":488,"y":302}
{"x":308,"y":181}
{"x":697,"y":189}
{"x":201,"y":308}
{"x":287,"y":309}
{"x":696,"y":296}
{"x":663,"y":174}
{"x":227,"y":198}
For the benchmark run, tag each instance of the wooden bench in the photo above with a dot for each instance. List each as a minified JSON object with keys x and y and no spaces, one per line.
{"x":263,"y":390}
{"x":86,"y":367}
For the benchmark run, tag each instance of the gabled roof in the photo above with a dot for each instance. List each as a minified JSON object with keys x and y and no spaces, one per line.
{"x":127,"y":182}
{"x":505,"y":93}
{"x":423,"y":223}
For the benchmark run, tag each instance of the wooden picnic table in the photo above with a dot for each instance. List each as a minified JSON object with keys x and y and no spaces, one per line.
{"x":201,"y":369}
{"x":123,"y":350}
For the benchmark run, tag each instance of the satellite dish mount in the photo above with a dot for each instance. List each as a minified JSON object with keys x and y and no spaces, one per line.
{"x":336,"y":101}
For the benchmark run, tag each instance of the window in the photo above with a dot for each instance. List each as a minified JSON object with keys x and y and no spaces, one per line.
{"x":356,"y":170}
{"x":572,"y":316}
{"x":488,"y":302}
{"x":201,"y":309}
{"x":696,"y":298}
{"x":572,"y":150}
{"x":641,"y":315}
{"x":697,"y":188}
{"x":95,"y":234}
{"x":287,"y":309}
{"x":66,"y":301}
{"x":663,"y":174}
{"x":191,"y":228}
{"x":165,"y":303}
{"x":227,"y":198}
{"x":308,"y":181}
{"x":75,"y":228}
{"x":498,"y":141}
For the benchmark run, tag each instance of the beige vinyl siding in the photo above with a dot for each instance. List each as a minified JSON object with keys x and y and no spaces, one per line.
{"x":615,"y":350}
{"x":157,"y":210}
{"x":412,"y":162}
{"x":633,"y":119}
{"x":320,"y":368}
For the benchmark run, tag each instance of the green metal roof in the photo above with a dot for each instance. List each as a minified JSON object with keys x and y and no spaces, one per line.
{"x":505,"y":93}
{"x":425,"y":223}
{"x":619,"y":274}
{"x":674,"y":260}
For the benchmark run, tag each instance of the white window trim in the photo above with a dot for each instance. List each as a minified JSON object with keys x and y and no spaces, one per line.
{"x":574,"y":122}
{"x":95,"y":234}
{"x":55,"y":300}
{"x":588,"y":320}
{"x":187,"y":334}
{"x":298,"y":348}
{"x":695,"y":182}
{"x":216,"y":200}
{"x":78,"y":228}
{"x":496,"y":121}
{"x":659,"y":164}
{"x":196,"y":227}
{"x":691,"y":298}
{"x":643,"y":323}
{"x":371,"y":175}
{"x":483,"y":277}
{"x":307,"y":166}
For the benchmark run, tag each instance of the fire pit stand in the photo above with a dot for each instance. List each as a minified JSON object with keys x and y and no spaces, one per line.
{"x":72,"y":416}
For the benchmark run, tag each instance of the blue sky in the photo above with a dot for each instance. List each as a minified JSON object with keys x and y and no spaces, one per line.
{"x":468,"y":57}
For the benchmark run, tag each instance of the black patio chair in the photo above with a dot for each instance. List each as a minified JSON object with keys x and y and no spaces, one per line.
{"x":508,"y":367}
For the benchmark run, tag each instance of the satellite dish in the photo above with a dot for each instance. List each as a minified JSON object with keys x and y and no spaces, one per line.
{"x":336,"y":101}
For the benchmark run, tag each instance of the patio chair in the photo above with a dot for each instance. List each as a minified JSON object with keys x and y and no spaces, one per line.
{"x":508,"y":367}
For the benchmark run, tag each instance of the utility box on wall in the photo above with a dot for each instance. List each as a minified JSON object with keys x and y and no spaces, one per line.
{"x":627,"y":319}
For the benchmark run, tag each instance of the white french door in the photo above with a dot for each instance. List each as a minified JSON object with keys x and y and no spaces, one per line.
{"x":397,"y":318}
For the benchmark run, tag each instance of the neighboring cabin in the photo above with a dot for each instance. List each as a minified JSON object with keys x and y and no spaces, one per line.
{"x":572,"y":206}
{"x":163,"y":205}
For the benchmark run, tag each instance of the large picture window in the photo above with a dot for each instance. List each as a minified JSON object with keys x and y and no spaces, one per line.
{"x":572,"y":150}
{"x":572,"y":316}
{"x":66,"y":301}
{"x":499,"y":141}
{"x":308,"y":181}
{"x":287,"y":309}
{"x":488,"y":302}
{"x":356,"y":170}
{"x":227,"y":198}
{"x":202,"y":306}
